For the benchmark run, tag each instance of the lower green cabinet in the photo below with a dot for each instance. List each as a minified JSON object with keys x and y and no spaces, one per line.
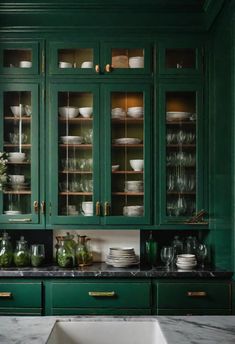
{"x":20,"y":298}
{"x":182,"y":298}
{"x":98,"y":297}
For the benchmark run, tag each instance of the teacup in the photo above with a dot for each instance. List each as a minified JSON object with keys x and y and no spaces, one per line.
{"x":87,"y":208}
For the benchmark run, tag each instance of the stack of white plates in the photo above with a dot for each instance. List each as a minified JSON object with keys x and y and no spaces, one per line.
{"x":133,"y":210}
{"x":134,"y":186}
{"x":177,"y":115}
{"x":12,"y":212}
{"x":186,"y":261}
{"x":127,"y":141}
{"x":72,"y":139}
{"x":122,"y":257}
{"x":118,"y":112}
{"x":136,"y":62}
{"x":135,"y":111}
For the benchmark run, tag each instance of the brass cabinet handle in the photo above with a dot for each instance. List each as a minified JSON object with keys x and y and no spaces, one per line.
{"x":196,"y":293}
{"x":5,"y":295}
{"x":97,"y":208}
{"x":101,"y":293}
{"x":106,"y":209}
{"x":97,"y":68}
{"x":43,"y":207}
{"x":108,"y":68}
{"x":35,"y":206}
{"x":20,"y":220}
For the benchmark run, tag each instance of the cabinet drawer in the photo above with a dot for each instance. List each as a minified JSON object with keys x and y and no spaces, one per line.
{"x":20,"y":295}
{"x":193,"y":295}
{"x":100,"y":295}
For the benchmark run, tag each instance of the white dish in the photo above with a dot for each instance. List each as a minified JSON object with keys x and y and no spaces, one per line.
{"x":135,"y":114}
{"x":12,"y":212}
{"x":186,"y":256}
{"x":25,"y":64}
{"x":137,"y":164}
{"x":68,"y":112}
{"x":177,"y":115}
{"x":185,"y":267}
{"x":133,"y":210}
{"x":115,"y":167}
{"x":16,"y":178}
{"x":87,"y":64}
{"x":127,"y":141}
{"x":136,"y":62}
{"x":63,"y":64}
{"x":86,"y":111}
{"x":16,"y":157}
{"x":18,"y":110}
{"x":72,"y":139}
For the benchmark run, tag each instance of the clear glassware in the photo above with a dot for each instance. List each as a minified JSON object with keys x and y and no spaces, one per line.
{"x":167,"y":255}
{"x":21,"y":254}
{"x":37,"y":255}
{"x":83,"y":251}
{"x":202,"y":254}
{"x":65,"y":254}
{"x":6,"y":253}
{"x":177,"y":245}
{"x":151,"y":249}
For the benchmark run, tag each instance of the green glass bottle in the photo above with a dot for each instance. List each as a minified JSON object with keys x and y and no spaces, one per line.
{"x":151,"y":250}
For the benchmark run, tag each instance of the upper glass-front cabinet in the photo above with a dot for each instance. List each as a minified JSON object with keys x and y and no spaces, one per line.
{"x":19,"y":58}
{"x":19,"y":199}
{"x":182,"y":143}
{"x":180,"y":59}
{"x":112,"y":58}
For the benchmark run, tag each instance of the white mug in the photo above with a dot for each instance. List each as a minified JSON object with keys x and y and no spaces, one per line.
{"x":87,"y":208}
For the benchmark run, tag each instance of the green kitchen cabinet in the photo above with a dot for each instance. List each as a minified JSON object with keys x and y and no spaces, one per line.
{"x":20,"y":297}
{"x":191,"y":297}
{"x":108,"y":296}
{"x":84,"y":186}
{"x":19,"y":138}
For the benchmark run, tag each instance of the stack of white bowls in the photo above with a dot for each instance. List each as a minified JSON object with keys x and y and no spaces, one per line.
{"x":134,"y":186}
{"x":122,"y":257}
{"x":133,"y":210}
{"x":136,"y":62}
{"x":186,"y":261}
{"x":118,"y":112}
{"x":135,"y":111}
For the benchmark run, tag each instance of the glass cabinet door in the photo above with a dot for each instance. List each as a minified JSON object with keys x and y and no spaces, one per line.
{"x":127,"y":149}
{"x":183,"y":181}
{"x":74,"y":58}
{"x":19,"y":58}
{"x":127,"y":58}
{"x":19,"y":199}
{"x":74,"y":148}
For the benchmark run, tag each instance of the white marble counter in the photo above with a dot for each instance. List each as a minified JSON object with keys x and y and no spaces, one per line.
{"x":176,"y":329}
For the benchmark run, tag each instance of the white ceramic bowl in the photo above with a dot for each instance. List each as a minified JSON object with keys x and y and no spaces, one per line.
{"x":68,"y":112}
{"x":86,"y":111}
{"x":137,"y":164}
{"x":72,"y":139}
{"x":133,"y":210}
{"x":87,"y":64}
{"x":16,"y":110}
{"x":115,"y":167}
{"x":136,"y":62}
{"x":16,"y":157}
{"x":25,"y":64}
{"x":134,"y":186}
{"x":63,"y":64}
{"x":16,"y":178}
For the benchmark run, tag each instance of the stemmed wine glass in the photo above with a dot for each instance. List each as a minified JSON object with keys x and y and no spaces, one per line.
{"x":167,"y":255}
{"x":202,"y":254}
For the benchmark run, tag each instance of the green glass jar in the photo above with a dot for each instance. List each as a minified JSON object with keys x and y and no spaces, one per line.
{"x":65,"y":255}
{"x":21,"y":254}
{"x":37,"y":255}
{"x":6,"y":253}
{"x":151,"y":250}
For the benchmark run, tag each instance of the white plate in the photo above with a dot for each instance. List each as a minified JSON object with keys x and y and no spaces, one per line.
{"x":127,"y":140}
{"x":177,"y":115}
{"x":12,"y":212}
{"x":185,"y":267}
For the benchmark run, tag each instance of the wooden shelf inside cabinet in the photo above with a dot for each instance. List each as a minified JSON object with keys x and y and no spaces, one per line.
{"x":181,"y":193}
{"x":70,"y":193}
{"x":18,"y":163}
{"x":127,"y":172}
{"x":123,"y":193}
{"x":179,"y":123}
{"x":76,"y":172}
{"x":76,"y":119}
{"x":17,"y":192}
{"x":81,"y":146}
{"x":181,"y":146}
{"x":11,"y":145}
{"x":139,"y":145}
{"x":127,"y":120}
{"x":16,"y":119}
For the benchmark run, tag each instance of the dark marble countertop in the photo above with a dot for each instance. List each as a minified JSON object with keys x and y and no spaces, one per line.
{"x":103,"y":271}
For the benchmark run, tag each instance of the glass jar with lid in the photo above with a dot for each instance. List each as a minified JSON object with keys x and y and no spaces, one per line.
{"x":83,"y":251}
{"x":22,"y":254}
{"x":65,"y":254}
{"x":6,"y":253}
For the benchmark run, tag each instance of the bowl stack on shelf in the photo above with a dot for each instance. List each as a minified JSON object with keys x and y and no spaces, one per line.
{"x":186,"y":261}
{"x":122,"y":257}
{"x":135,"y":111}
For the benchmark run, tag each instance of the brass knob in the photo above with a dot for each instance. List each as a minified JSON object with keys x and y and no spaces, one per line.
{"x":97,"y":209}
{"x":106,"y":209}
{"x":97,"y":68}
{"x":108,"y":68}
{"x":35,"y":206}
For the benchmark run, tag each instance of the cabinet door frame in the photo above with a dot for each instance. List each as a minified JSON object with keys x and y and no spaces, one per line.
{"x":147,"y":150}
{"x":55,"y":87}
{"x":33,"y":217}
{"x":201,"y":152}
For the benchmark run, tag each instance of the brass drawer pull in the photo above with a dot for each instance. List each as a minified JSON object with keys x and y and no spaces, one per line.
{"x":196,"y":293}
{"x":101,"y":293}
{"x":5,"y":295}
{"x":20,"y":220}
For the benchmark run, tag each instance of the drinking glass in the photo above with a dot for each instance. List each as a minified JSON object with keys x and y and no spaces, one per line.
{"x":167,"y":255}
{"x":202,"y":254}
{"x":37,"y":255}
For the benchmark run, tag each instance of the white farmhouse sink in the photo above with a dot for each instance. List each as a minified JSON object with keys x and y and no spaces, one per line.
{"x":106,"y":332}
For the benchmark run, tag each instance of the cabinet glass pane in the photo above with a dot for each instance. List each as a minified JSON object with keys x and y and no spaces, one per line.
{"x":181,"y":177}
{"x":75,"y":189}
{"x":180,"y":58}
{"x":127,"y":111}
{"x":17,"y":143}
{"x":127,"y":58}
{"x":20,"y":58}
{"x":75,"y":58}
